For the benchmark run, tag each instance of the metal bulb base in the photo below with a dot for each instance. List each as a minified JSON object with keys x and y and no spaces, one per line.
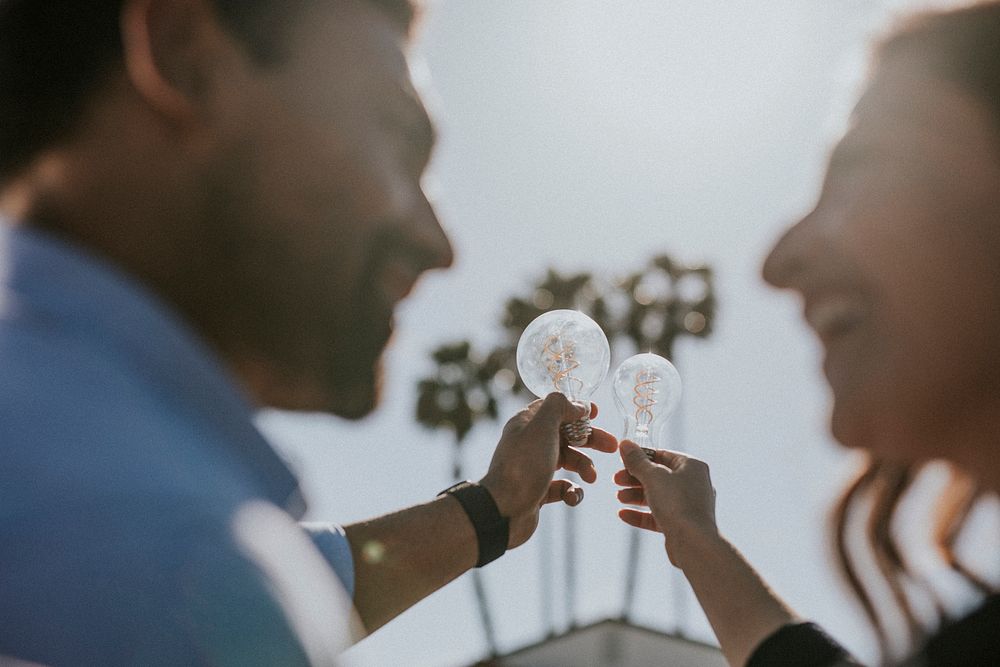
{"x":576,"y":434}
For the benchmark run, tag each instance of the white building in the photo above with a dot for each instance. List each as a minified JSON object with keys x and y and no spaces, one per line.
{"x":612,"y":643}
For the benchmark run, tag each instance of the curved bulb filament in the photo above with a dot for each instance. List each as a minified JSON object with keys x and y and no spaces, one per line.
{"x":647,"y":390}
{"x":644,"y":400}
{"x":566,"y":351}
{"x":560,"y":361}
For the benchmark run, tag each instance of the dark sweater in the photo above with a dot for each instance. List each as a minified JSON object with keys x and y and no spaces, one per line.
{"x":973,"y":641}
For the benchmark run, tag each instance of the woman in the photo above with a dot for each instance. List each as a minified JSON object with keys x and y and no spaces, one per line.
{"x":898,"y":266}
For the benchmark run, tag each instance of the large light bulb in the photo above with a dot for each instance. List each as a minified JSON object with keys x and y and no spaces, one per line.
{"x":564,"y":351}
{"x":647,"y":390}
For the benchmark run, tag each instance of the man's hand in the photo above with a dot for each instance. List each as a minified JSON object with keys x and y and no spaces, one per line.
{"x":530,"y":452}
{"x":403,"y":557}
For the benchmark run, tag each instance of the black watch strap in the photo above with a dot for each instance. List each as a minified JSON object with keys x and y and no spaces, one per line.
{"x":492,"y":529}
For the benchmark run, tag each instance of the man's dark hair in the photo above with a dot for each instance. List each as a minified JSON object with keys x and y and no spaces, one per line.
{"x":55,"y":53}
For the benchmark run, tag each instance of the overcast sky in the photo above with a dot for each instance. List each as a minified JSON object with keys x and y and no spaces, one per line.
{"x":591,"y":135}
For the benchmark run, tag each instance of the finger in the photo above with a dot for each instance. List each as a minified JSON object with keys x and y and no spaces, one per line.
{"x":633,"y":496}
{"x":523,"y":416}
{"x":624,"y":478}
{"x":639,"y":519}
{"x":593,"y":410}
{"x":556,"y":409}
{"x":672,"y":460}
{"x":565,"y":491}
{"x":635,"y":460}
{"x":602,"y":441}
{"x":533,"y":406}
{"x":576,"y":461}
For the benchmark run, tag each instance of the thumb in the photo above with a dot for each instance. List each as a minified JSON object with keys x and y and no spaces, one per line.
{"x":635,"y":460}
{"x":556,"y":408}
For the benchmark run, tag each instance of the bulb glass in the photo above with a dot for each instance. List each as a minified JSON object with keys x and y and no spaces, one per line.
{"x":564,"y":351}
{"x":647,"y":391}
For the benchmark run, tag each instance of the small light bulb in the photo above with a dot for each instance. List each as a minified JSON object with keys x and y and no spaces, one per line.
{"x":564,"y":351}
{"x":647,"y":390}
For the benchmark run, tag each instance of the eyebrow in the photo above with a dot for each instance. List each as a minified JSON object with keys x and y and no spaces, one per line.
{"x":849,"y":151}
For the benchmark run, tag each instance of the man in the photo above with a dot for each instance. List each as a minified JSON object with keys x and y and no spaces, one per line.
{"x":211,"y":205}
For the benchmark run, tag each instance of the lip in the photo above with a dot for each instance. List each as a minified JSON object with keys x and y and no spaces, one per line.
{"x":833,"y":316}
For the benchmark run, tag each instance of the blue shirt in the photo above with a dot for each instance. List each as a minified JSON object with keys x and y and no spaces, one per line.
{"x":143,"y":518}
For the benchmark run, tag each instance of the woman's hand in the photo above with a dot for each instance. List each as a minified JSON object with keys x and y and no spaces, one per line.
{"x":678,"y":491}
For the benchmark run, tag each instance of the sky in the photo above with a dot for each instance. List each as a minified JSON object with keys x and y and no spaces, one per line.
{"x":592,"y":135}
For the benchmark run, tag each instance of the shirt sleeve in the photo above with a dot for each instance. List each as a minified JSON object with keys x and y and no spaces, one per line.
{"x":331,"y":540}
{"x":802,"y":645}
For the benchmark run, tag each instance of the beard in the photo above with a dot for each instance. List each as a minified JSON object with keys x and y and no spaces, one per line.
{"x":308,"y":351}
{"x":320,"y":352}
{"x":349,"y":372}
{"x":261,"y":292}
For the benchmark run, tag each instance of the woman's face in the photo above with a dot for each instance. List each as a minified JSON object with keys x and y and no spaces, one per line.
{"x":898,"y":266}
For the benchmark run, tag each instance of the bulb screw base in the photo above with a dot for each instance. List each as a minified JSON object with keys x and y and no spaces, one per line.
{"x":650,"y":453}
{"x":576,"y":433}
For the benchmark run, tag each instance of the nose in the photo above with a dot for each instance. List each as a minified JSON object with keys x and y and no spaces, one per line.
{"x":432,"y":239}
{"x":790,"y":255}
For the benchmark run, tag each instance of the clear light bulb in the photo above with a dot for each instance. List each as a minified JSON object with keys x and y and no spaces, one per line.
{"x":647,"y":391}
{"x":564,"y":351}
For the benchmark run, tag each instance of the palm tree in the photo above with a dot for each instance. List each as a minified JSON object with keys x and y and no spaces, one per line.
{"x":647,"y":311}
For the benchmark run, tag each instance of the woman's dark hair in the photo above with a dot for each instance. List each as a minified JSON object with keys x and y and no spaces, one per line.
{"x":55,"y":53}
{"x":873,"y":499}
{"x":963,"y":47}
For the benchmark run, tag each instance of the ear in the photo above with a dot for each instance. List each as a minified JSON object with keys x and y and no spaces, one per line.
{"x":171,"y":49}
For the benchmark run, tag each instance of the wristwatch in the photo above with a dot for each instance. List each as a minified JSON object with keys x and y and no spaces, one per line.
{"x":492,"y":529}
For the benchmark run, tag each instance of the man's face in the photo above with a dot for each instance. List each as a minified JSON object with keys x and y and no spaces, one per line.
{"x":319,"y":225}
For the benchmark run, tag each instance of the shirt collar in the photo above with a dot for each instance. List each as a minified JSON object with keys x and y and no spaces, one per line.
{"x":94,"y":299}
